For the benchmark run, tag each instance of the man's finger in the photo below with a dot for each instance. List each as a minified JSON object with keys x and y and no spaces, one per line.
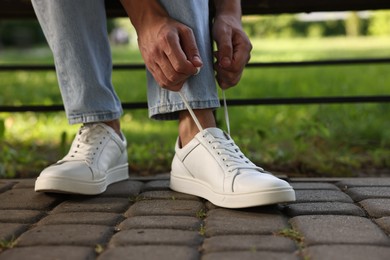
{"x":189,"y":46}
{"x":225,"y":49}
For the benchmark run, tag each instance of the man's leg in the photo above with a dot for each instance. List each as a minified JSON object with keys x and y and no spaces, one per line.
{"x":76,"y":32}
{"x":207,"y":162}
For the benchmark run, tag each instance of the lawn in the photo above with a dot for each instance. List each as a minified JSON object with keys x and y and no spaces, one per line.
{"x":300,"y":140}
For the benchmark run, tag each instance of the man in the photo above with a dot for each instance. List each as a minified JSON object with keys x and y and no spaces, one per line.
{"x":174,"y":40}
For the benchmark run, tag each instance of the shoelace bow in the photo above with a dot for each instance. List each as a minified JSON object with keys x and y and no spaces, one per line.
{"x":87,"y":143}
{"x":230,"y":153}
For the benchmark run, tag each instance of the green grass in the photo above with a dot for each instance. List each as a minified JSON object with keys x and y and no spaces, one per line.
{"x":309,"y":140}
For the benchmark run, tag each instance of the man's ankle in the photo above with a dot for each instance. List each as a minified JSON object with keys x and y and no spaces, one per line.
{"x":115,"y":124}
{"x":188,"y":128}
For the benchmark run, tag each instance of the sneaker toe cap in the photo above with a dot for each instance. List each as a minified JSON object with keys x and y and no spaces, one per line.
{"x":78,"y":171}
{"x":257,"y":182}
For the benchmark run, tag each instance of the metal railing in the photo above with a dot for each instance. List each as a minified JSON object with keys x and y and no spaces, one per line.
{"x":11,"y":9}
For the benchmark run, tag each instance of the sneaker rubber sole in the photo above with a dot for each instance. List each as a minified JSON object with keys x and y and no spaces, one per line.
{"x":260,"y":198}
{"x":95,"y":187}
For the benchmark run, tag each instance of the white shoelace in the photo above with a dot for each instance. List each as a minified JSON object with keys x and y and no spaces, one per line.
{"x":86,"y":144}
{"x":230,"y":153}
{"x":196,"y":119}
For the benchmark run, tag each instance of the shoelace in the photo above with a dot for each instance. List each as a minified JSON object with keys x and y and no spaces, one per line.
{"x":230,"y":153}
{"x":87,"y":143}
{"x":196,"y":119}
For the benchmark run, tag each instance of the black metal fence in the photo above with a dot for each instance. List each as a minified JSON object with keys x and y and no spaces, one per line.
{"x":11,"y":9}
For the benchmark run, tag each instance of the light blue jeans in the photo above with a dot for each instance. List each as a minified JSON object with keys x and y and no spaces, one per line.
{"x":77,"y":35}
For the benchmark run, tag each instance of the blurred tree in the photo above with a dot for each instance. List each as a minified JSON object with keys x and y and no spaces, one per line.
{"x":20,"y":33}
{"x":353,"y":25}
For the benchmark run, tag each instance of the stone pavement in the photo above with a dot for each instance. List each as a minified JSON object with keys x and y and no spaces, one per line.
{"x":143,"y":219}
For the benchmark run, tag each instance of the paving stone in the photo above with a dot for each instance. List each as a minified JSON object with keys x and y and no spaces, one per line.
{"x":376,"y":207}
{"x":248,"y":243}
{"x":236,"y":222}
{"x":321,"y":196}
{"x":151,"y":252}
{"x":161,"y":222}
{"x":165,"y":207}
{"x":384,"y":224}
{"x":94,"y":204}
{"x":329,"y":229}
{"x":20,"y":216}
{"x":78,"y":235}
{"x":250,"y":256}
{"x":347,"y":252}
{"x":323,"y":208}
{"x":6,"y":185}
{"x":93,"y":218}
{"x":124,"y":189}
{"x":27,"y":199}
{"x":362,"y":193}
{"x":9,"y":231}
{"x":156,"y":237}
{"x":49,"y":252}
{"x":167,"y":195}
{"x":313,"y":186}
{"x":156,"y":185}
{"x":25,"y":184}
{"x":363,"y":182}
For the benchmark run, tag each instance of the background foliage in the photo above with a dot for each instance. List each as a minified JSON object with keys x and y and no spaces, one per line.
{"x":313,"y":140}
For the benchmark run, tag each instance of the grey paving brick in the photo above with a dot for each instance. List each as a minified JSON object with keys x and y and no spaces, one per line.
{"x":161,"y":222}
{"x":156,"y":185}
{"x":25,"y":184}
{"x":151,"y":252}
{"x":323,"y":208}
{"x":49,"y":252}
{"x":376,"y":207}
{"x":156,"y":237}
{"x":9,"y":231}
{"x":321,"y":196}
{"x":250,"y":256}
{"x":93,"y":218}
{"x":167,"y":194}
{"x":236,"y":222}
{"x":384,"y":224}
{"x":347,"y":252}
{"x":77,"y":235}
{"x":313,"y":186}
{"x":27,"y":199}
{"x":329,"y":229}
{"x":362,"y":193}
{"x":363,"y":182}
{"x":248,"y":243}
{"x":6,"y":185}
{"x":94,"y":204}
{"x":124,"y":189}
{"x":165,"y":207}
{"x":20,"y":216}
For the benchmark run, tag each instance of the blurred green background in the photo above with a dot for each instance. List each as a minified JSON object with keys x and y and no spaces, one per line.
{"x":300,"y":140}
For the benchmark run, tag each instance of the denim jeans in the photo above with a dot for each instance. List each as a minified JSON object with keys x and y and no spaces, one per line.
{"x":77,"y":35}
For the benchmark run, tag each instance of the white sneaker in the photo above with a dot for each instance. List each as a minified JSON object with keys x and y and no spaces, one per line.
{"x":212,"y":166}
{"x":97,"y":158}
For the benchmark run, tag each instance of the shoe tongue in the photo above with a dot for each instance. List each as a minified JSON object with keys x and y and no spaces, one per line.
{"x":217,"y":133}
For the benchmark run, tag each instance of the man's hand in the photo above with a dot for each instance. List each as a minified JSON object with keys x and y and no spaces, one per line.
{"x":168,"y":47}
{"x":233,"y":44}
